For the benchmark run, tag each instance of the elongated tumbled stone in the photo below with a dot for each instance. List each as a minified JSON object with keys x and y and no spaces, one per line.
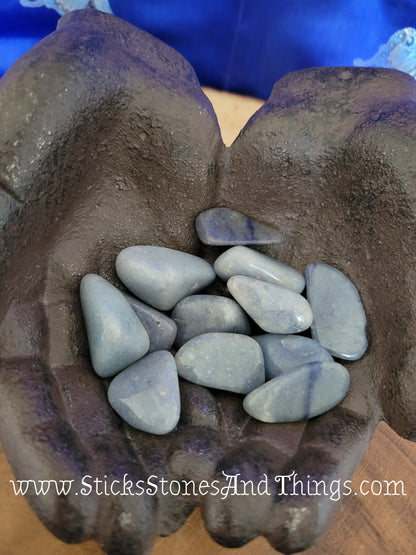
{"x":284,"y":353}
{"x":244,"y":261}
{"x":224,"y":226}
{"x":160,"y":328}
{"x":228,"y":361}
{"x":146,"y":395}
{"x":200,"y":314}
{"x":310,"y":390}
{"x":160,"y":276}
{"x":339,"y":317}
{"x":116,"y":336}
{"x":274,"y":308}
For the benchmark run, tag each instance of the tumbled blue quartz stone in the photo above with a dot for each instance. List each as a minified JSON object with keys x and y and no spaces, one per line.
{"x":284,"y":353}
{"x":244,"y":261}
{"x":160,"y":328}
{"x":116,"y":336}
{"x":308,"y":391}
{"x":200,"y":314}
{"x":339,"y":318}
{"x":227,"y":361}
{"x":224,"y":226}
{"x":274,"y":308}
{"x":161,"y":277}
{"x":146,"y":395}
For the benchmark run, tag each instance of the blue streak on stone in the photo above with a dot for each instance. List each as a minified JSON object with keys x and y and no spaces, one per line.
{"x":315,"y":370}
{"x":244,"y":261}
{"x":274,"y":308}
{"x":285,"y":353}
{"x":251,"y":228}
{"x":116,"y":336}
{"x":161,"y":277}
{"x":339,"y":319}
{"x":308,"y":391}
{"x":65,"y":6}
{"x":227,"y":361}
{"x":398,"y":53}
{"x":200,"y":314}
{"x":224,"y":226}
{"x":161,"y":329}
{"x":146,"y":395}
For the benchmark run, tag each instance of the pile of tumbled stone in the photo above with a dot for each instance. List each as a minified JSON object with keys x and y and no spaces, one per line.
{"x":285,"y":377}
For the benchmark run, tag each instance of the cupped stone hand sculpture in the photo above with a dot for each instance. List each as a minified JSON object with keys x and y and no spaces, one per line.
{"x":107,"y":141}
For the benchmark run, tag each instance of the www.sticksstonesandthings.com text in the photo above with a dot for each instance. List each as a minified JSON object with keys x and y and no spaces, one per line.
{"x":231,"y":484}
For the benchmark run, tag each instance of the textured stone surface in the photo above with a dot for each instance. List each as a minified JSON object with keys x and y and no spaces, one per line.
{"x":274,"y":308}
{"x":227,"y":361}
{"x":107,"y":141}
{"x":146,"y":395}
{"x":200,"y":314}
{"x":162,"y":277}
{"x":224,"y":226}
{"x":160,"y":328}
{"x":283,"y":353}
{"x":244,"y":261}
{"x":116,"y":337}
{"x":339,"y":319}
{"x":308,"y":391}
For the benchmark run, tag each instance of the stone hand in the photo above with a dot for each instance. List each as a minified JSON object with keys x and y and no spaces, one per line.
{"x":109,"y":142}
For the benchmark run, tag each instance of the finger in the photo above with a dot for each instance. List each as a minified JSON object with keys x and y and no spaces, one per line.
{"x":42,"y":446}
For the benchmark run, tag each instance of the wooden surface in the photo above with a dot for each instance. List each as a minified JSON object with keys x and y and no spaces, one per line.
{"x":372,"y":524}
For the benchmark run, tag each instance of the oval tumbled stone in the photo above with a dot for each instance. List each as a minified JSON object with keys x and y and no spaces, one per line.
{"x":224,"y":226}
{"x":161,"y":329}
{"x":228,"y":361}
{"x":160,"y":276}
{"x":310,"y":390}
{"x":339,"y":317}
{"x":284,"y":353}
{"x":244,"y":261}
{"x":146,"y":395}
{"x":116,"y":336}
{"x":198,"y":314}
{"x":274,"y":308}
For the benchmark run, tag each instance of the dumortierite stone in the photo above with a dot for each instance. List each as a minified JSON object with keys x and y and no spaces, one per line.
{"x":160,"y":276}
{"x":227,"y":361}
{"x":284,"y":353}
{"x":339,"y":318}
{"x":146,"y":395}
{"x":224,"y":226}
{"x":306,"y":392}
{"x":200,"y":314}
{"x":248,"y":262}
{"x":274,"y":308}
{"x":116,"y":336}
{"x":160,"y":328}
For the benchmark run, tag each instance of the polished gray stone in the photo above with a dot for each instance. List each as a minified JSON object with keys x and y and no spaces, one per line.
{"x":116,"y":336}
{"x":146,"y":395}
{"x":160,"y":328}
{"x":161,"y":277}
{"x":244,"y":261}
{"x":308,"y":391}
{"x":200,"y":314}
{"x":228,"y":361}
{"x":224,"y":226}
{"x":274,"y":308}
{"x":284,"y":353}
{"x":339,"y":317}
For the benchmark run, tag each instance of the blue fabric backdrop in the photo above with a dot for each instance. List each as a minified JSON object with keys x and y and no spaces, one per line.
{"x":238,"y":45}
